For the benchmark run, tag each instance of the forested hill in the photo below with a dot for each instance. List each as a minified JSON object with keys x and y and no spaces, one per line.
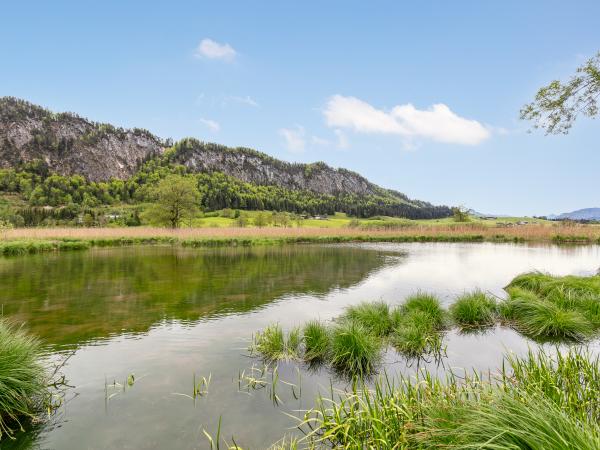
{"x":42,"y":145}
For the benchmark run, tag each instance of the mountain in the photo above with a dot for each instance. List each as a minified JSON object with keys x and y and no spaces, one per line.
{"x":580,"y":214}
{"x":68,"y":145}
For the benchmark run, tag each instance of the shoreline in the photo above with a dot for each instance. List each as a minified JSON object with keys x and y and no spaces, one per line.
{"x":23,"y":241}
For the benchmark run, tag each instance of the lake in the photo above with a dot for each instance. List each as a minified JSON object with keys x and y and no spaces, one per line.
{"x":169,"y":315}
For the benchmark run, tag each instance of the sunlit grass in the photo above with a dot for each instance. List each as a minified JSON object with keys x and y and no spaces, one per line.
{"x":274,"y":345}
{"x":316,"y":341}
{"x":354,"y":350}
{"x":474,"y":310}
{"x":23,"y":384}
{"x":373,"y":316}
{"x":536,"y":402}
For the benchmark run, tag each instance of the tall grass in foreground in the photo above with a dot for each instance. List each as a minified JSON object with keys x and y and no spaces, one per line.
{"x":23,"y":384}
{"x":535,"y":402}
{"x":373,"y":316}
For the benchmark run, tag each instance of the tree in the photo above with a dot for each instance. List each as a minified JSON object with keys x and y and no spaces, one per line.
{"x":460,"y":214}
{"x":177,"y":198}
{"x":557,"y":105}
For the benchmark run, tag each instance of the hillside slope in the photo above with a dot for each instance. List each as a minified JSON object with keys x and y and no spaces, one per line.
{"x":70,"y":145}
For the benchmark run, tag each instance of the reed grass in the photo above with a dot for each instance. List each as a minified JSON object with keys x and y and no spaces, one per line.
{"x":537,"y":401}
{"x":418,"y":324}
{"x":274,"y":345}
{"x":474,"y":310}
{"x":23,"y":383}
{"x":316,"y":341}
{"x":545,"y":307}
{"x":354,"y":350}
{"x":373,"y":316}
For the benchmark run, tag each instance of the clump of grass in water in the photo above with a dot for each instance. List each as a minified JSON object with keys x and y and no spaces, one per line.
{"x":373,"y":316}
{"x":316,"y":341}
{"x":474,"y":310}
{"x":418,"y":326}
{"x":23,"y":383}
{"x":537,"y":401}
{"x":354,"y":350}
{"x":274,"y":345}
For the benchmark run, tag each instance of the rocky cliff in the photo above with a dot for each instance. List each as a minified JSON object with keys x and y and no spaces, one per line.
{"x":70,"y":144}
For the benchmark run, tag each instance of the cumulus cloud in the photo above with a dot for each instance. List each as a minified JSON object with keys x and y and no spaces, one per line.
{"x":214,"y":50}
{"x":294,"y":138}
{"x":437,"y":123}
{"x":211,"y":124}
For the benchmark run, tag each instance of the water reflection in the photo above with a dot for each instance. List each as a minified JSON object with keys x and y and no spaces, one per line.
{"x":75,"y":297}
{"x":164,"y":292}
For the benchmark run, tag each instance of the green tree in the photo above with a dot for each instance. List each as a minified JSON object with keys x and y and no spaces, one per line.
{"x":557,"y":105}
{"x":460,"y":214}
{"x":177,"y":198}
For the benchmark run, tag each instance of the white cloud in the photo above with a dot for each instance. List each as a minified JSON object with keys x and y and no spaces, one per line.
{"x":211,"y":124}
{"x":438,"y":123}
{"x":294,"y":138}
{"x":214,"y":50}
{"x":247,"y":100}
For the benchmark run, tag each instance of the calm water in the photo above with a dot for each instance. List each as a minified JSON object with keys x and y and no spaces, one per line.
{"x":167,"y":314}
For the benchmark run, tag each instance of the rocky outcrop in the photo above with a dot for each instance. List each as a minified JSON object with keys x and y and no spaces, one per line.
{"x":259,"y":168}
{"x":69,"y":144}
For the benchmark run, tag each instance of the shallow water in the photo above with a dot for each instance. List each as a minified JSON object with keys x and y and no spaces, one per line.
{"x":169,"y":314}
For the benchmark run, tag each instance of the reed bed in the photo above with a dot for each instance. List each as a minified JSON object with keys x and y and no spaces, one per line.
{"x":443,"y":232}
{"x":537,"y":401}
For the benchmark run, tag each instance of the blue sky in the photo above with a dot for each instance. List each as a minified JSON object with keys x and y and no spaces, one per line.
{"x":351,"y":83}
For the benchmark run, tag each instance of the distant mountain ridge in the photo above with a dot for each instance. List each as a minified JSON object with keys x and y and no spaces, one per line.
{"x":580,"y":214}
{"x":71,"y":145}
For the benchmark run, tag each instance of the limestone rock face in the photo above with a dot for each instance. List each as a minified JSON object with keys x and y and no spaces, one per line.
{"x":70,"y":144}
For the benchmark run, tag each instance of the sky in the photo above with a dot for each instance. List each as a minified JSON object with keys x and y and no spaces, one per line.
{"x":422,"y":97}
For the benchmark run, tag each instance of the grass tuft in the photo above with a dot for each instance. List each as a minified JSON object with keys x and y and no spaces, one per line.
{"x":354,"y":350}
{"x":374,"y":316}
{"x":474,"y":310}
{"x":23,"y":384}
{"x":273,"y":345}
{"x":316,"y":341}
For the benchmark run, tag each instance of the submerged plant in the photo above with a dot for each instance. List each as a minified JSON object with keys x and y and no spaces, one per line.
{"x":23,"y":383}
{"x":474,"y":310}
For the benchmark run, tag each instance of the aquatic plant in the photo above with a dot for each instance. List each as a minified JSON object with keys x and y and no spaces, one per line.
{"x":417,"y":325}
{"x":316,"y":341}
{"x":474,"y":309}
{"x":354,"y":350}
{"x":23,"y":383}
{"x":537,"y":401}
{"x":274,"y":345}
{"x":374,"y":316}
{"x":426,"y":303}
